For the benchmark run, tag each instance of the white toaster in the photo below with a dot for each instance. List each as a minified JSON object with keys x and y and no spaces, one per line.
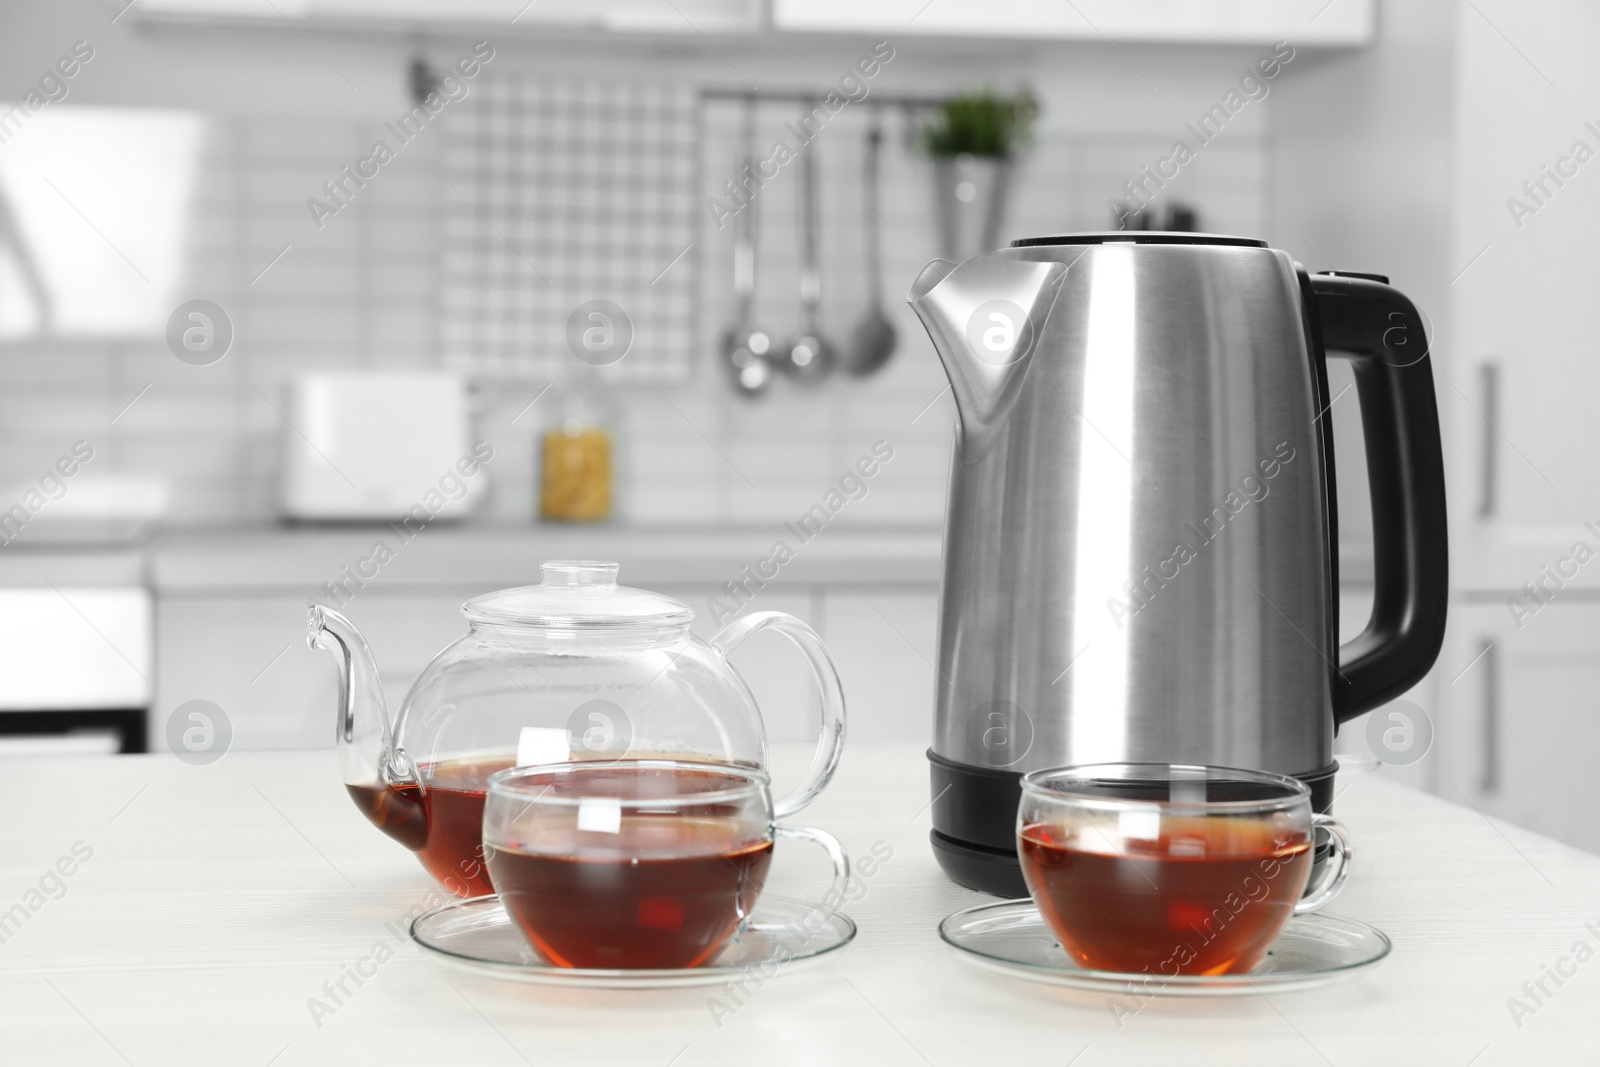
{"x":374,"y":445}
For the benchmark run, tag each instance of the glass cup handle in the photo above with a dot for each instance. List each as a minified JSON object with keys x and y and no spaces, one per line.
{"x":830,"y":746}
{"x":1339,"y":855}
{"x":834,"y":897}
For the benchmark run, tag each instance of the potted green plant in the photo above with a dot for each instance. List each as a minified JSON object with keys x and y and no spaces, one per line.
{"x":973,"y":139}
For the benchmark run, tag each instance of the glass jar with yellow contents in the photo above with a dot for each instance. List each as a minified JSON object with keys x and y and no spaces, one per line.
{"x":575,"y":462}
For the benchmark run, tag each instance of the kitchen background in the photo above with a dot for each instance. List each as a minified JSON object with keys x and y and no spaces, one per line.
{"x":186,"y":148}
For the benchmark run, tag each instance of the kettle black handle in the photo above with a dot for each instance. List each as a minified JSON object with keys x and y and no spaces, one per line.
{"x":1379,"y":330}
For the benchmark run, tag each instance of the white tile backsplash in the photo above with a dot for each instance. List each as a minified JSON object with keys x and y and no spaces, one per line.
{"x":364,"y":289}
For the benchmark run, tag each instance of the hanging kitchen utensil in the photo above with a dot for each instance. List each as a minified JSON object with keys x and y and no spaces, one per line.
{"x":809,"y":357}
{"x":746,"y":348}
{"x":873,"y":340}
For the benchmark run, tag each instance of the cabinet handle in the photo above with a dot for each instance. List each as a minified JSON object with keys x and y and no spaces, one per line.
{"x":1490,"y":782}
{"x":1489,"y":376}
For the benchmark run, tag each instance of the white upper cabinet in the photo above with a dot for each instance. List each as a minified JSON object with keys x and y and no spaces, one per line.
{"x":682,"y":16}
{"x":1523,"y":379}
{"x":1518,"y":716}
{"x":1300,"y":22}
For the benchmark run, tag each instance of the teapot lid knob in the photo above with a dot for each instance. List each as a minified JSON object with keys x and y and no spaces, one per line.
{"x":579,"y":575}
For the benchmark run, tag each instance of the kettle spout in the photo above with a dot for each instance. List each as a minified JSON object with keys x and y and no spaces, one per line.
{"x":374,"y":769}
{"x":984,"y":317}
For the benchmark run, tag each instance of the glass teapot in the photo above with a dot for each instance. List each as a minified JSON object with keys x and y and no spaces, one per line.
{"x":576,"y":668}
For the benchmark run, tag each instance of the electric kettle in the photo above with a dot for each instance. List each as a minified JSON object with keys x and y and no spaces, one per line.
{"x":1140,"y":551}
{"x":574,"y":668}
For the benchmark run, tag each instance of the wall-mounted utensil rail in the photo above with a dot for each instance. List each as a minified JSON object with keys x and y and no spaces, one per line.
{"x":814,"y":95}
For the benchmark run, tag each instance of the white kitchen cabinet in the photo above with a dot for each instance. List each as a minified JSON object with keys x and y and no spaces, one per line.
{"x":248,"y":656}
{"x":884,"y":640}
{"x":1522,"y":383}
{"x":1524,"y":487}
{"x":227,"y":605}
{"x":1519,"y":727}
{"x":1415,"y":158}
{"x":405,"y":631}
{"x":1411,"y":158}
{"x":1352,"y":744}
{"x":1305,"y":22}
{"x":685,"y":17}
{"x":769,"y":663}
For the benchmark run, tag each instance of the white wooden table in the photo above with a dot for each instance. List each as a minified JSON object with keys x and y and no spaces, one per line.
{"x":218,"y":901}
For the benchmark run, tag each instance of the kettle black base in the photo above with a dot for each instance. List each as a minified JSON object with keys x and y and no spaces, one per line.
{"x":974,"y":833}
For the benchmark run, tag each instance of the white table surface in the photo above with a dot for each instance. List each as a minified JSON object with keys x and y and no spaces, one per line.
{"x":219,"y":899}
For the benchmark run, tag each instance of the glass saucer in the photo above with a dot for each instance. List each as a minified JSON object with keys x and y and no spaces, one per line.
{"x":478,"y":936}
{"x":1012,"y":938}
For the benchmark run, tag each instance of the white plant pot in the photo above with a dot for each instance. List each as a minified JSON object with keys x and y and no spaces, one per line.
{"x":970,"y":195}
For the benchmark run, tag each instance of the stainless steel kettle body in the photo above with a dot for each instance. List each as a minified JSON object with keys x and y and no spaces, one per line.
{"x":1140,"y":551}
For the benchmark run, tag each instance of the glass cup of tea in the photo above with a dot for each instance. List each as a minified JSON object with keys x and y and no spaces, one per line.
{"x":642,"y":864}
{"x":1169,"y":869}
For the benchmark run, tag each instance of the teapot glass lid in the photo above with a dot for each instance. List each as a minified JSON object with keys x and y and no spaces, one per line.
{"x":577,"y":594}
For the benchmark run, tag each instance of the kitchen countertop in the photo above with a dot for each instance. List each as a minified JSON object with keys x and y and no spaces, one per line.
{"x":273,"y":557}
{"x":219,"y":899}
{"x":204,"y":559}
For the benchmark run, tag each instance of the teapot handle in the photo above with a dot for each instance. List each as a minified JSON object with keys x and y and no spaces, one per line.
{"x":830,"y":746}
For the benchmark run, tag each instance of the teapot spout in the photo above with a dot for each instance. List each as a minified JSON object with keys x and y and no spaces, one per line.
{"x":379,"y":777}
{"x":984,"y":317}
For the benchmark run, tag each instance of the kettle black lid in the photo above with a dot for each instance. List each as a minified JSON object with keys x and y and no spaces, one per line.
{"x":1140,"y":237}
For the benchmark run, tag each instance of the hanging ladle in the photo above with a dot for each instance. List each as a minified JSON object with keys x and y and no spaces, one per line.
{"x":746,"y":347}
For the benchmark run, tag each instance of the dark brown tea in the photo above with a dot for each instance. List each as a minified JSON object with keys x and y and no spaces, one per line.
{"x":1207,"y":897}
{"x":442,"y":825}
{"x":642,"y":888}
{"x":614,"y":912}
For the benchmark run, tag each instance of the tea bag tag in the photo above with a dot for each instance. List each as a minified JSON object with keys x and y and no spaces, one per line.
{"x":542,"y":744}
{"x":601,"y":815}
